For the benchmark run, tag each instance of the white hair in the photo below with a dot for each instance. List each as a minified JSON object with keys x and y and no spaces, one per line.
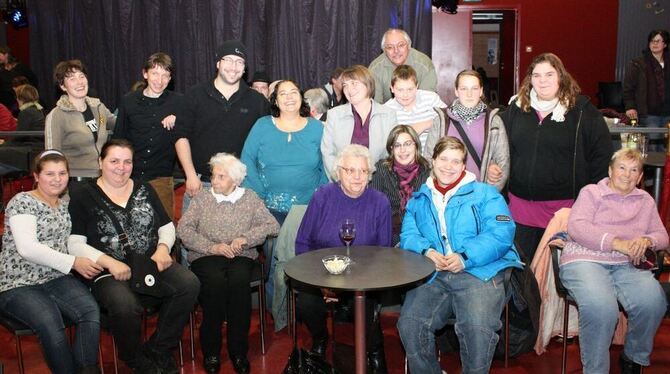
{"x":235,"y":169}
{"x":317,"y":99}
{"x":353,"y":150}
{"x":404,"y":35}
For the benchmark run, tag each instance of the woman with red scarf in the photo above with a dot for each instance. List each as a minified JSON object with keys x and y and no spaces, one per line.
{"x":401,"y":173}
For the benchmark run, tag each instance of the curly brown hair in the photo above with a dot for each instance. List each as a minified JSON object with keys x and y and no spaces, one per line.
{"x":568,"y":89}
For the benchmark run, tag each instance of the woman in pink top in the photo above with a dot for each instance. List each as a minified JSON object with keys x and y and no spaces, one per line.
{"x":611,"y":225}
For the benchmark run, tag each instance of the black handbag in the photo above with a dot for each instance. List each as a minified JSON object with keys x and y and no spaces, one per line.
{"x":304,"y":362}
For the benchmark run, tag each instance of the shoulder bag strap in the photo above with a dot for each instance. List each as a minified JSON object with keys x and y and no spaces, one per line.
{"x":123,"y":237}
{"x":468,"y":144}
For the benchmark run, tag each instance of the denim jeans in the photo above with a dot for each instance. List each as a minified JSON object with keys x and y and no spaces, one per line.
{"x":125,"y":308}
{"x":476,"y":306}
{"x":186,"y":201}
{"x":596,"y":288}
{"x":44,"y":307}
{"x":656,"y":141}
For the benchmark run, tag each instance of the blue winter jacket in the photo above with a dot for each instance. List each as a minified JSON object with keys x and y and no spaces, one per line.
{"x":479,"y":228}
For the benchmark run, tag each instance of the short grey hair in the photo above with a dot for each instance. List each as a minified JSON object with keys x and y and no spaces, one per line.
{"x":353,"y":150}
{"x":404,"y":34}
{"x":317,"y":99}
{"x":235,"y":169}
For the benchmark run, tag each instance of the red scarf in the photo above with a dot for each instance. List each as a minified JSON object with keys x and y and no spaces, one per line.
{"x":406,"y":174}
{"x":444,"y":190}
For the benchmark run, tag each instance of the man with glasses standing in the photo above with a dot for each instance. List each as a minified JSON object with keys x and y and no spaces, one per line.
{"x":217,"y":117}
{"x":397,"y":47}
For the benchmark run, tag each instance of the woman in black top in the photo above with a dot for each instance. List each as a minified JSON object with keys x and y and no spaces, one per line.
{"x":122,"y":218}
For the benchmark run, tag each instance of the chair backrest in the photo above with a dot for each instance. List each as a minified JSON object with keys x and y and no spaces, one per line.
{"x":555,"y":260}
{"x":610,"y":95}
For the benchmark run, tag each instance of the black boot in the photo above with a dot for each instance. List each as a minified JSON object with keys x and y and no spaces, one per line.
{"x":240,"y":364}
{"x":212,"y":364}
{"x":319,"y":345}
{"x":377,"y":362}
{"x":628,"y":366}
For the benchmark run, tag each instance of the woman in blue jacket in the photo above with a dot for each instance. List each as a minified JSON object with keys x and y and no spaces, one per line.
{"x":465,"y":228}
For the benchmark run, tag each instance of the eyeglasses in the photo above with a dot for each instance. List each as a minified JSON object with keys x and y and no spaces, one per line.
{"x":352,"y":171}
{"x":406,"y":144}
{"x":391,"y":47}
{"x":230,"y":62}
{"x":656,"y":41}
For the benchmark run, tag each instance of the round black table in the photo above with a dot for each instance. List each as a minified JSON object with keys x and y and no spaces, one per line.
{"x":374,"y":268}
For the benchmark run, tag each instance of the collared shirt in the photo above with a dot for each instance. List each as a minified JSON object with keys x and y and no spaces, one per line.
{"x":361,"y":134}
{"x":139,"y":121}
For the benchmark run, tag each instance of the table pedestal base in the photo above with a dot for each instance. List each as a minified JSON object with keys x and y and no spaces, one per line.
{"x":359,"y":328}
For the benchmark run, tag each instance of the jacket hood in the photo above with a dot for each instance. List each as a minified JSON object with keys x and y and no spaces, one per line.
{"x":65,"y":105}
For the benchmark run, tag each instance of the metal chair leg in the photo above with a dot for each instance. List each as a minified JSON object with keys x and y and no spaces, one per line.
{"x":261,"y":309}
{"x":19,"y":354}
{"x":181,"y":354}
{"x":102,"y":361}
{"x":192,"y":334}
{"x":506,"y":334}
{"x":564,"y":360}
{"x":116,"y":363}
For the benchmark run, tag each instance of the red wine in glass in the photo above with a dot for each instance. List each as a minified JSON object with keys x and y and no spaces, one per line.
{"x":348,"y":233}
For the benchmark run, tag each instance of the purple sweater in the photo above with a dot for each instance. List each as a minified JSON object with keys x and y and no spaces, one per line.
{"x":320,"y":227}
{"x":600,"y":215}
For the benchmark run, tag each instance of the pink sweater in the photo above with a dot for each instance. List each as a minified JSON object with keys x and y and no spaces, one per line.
{"x":600,"y":215}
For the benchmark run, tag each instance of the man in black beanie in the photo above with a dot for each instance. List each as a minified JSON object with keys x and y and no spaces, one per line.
{"x":218,"y":116}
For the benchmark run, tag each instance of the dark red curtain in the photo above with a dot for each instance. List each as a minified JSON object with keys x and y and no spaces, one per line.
{"x":299,"y":39}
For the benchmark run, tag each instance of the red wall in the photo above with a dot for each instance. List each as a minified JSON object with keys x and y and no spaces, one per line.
{"x":19,"y":42}
{"x":582,"y":33}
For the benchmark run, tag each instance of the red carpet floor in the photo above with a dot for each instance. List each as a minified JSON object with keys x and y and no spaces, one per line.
{"x":279,"y":347}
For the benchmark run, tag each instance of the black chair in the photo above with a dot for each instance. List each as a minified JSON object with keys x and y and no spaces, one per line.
{"x":568,"y":299}
{"x":610,"y":95}
{"x":18,"y":329}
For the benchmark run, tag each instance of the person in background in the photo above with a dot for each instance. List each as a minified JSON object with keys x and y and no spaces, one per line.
{"x":146,"y":118}
{"x":465,"y":228}
{"x":420,"y":109}
{"x":261,"y":83}
{"x":558,"y":143}
{"x":317,"y":99}
{"x":36,"y":284}
{"x":124,"y":218}
{"x":346,"y":198}
{"x":400,"y":174}
{"x":334,"y":88}
{"x":481,"y":129}
{"x":397,"y":47}
{"x":222,"y":228}
{"x":15,"y":67}
{"x":79,"y":124}
{"x":611,"y":226}
{"x":361,"y":121}
{"x":31,"y":116}
{"x":646,"y":86}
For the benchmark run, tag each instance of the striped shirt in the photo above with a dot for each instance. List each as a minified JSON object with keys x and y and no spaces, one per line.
{"x":423,"y":110}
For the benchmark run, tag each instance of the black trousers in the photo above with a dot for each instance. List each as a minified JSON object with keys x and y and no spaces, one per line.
{"x":225,"y":295}
{"x":312,"y":310}
{"x":125,"y":308}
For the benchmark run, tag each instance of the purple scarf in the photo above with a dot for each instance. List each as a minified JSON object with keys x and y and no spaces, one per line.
{"x":406,"y":174}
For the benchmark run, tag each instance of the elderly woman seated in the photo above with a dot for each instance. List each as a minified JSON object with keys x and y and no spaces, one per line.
{"x":611,"y":225}
{"x":465,"y":228}
{"x":222,"y":228}
{"x":349,"y":198}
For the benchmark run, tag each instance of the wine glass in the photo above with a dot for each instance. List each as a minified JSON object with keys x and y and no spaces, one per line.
{"x":348,"y":232}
